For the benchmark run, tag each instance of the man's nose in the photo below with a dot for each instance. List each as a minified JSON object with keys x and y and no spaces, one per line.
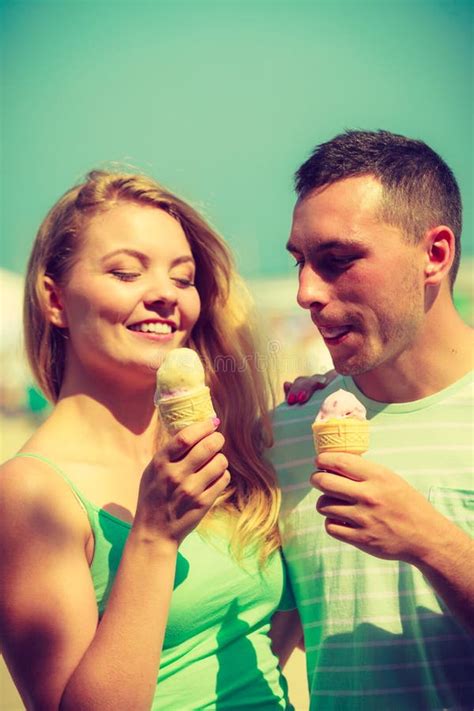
{"x":312,"y":289}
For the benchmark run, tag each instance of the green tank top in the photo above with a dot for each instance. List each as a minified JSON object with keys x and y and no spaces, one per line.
{"x":216,"y":652}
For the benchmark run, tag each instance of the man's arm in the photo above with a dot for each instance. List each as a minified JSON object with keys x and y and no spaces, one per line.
{"x":375,"y":510}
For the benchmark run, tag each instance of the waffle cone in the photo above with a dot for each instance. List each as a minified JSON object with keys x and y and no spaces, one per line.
{"x":346,"y":434}
{"x":184,"y":410}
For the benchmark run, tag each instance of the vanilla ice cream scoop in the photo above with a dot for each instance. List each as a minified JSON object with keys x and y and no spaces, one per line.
{"x":341,"y":404}
{"x":182,"y":396}
{"x":180,"y":372}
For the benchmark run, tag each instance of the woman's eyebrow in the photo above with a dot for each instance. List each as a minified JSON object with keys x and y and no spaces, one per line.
{"x":182,"y":260}
{"x":145,"y":259}
{"x":127,"y":251}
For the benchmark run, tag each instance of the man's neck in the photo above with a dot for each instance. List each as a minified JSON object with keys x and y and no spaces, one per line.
{"x":442,"y":354}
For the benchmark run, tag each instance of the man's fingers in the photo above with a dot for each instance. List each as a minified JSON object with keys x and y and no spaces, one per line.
{"x":337,"y":509}
{"x":351,"y":466}
{"x":325,"y":504}
{"x":336,"y":485}
{"x":342,"y":530}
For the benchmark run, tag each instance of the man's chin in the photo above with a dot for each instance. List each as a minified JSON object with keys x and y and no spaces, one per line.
{"x":352,"y":366}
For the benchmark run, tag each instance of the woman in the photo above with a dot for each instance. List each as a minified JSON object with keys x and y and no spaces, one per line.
{"x":108,"y":586}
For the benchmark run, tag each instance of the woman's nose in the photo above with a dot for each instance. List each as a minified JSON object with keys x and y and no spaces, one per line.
{"x":161,"y":291}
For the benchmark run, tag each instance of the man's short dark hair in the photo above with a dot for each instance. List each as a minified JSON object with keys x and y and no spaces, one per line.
{"x":419,"y":189}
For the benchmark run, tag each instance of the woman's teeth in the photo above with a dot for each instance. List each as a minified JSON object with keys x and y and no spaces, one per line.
{"x":152,"y":327}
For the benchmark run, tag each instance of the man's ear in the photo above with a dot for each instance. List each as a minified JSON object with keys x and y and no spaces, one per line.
{"x":53,"y":303}
{"x":440,"y":250}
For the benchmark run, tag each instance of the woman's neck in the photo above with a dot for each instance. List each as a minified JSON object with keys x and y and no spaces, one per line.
{"x":108,"y":420}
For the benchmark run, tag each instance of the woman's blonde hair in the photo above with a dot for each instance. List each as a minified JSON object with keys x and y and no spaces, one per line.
{"x":223,"y":336}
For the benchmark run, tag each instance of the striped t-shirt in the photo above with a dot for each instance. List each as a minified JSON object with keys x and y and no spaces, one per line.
{"x":377,"y":636}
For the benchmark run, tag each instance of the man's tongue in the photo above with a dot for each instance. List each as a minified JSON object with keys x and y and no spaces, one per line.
{"x":334,"y":332}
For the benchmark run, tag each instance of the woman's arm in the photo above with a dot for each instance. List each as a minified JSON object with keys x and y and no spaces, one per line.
{"x":59,"y":655}
{"x":300,"y":390}
{"x":286,"y":633}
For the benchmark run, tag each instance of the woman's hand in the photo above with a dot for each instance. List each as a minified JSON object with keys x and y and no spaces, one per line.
{"x":301,"y":389}
{"x":182,"y":482}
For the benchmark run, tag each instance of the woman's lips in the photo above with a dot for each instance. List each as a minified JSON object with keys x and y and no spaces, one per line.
{"x":153,"y":330}
{"x":156,"y":337}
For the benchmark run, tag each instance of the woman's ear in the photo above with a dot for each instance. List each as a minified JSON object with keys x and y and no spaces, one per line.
{"x":440,"y":249}
{"x":53,"y":303}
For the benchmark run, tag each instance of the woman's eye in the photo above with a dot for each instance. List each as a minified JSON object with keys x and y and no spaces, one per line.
{"x":125,"y":276}
{"x":183,"y":281}
{"x":299,"y":263}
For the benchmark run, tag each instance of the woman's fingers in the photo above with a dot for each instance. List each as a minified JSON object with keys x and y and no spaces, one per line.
{"x":182,"y":442}
{"x":201,"y":480}
{"x":204,"y":451}
{"x":200,"y":490}
{"x":302,"y":388}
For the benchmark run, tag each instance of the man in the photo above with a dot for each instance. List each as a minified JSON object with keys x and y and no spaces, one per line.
{"x":383,"y":570}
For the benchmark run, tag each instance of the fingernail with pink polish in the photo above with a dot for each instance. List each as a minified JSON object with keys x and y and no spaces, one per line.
{"x":216,"y":421}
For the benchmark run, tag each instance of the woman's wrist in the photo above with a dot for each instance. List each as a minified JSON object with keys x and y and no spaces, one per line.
{"x":154,"y":542}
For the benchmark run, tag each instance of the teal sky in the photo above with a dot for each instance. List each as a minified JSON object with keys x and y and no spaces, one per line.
{"x":221,"y":101}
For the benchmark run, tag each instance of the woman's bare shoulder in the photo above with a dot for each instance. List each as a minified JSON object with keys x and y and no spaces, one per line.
{"x":34,"y":495}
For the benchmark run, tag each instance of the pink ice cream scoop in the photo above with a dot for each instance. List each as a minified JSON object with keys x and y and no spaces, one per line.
{"x":341,"y":404}
{"x":341,"y":425}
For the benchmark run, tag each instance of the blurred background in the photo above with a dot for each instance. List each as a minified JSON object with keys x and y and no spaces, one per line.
{"x":221,"y":101}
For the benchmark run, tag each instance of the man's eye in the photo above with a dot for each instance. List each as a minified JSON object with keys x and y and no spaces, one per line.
{"x":299,"y":263}
{"x":125,"y":276}
{"x":338,"y":263}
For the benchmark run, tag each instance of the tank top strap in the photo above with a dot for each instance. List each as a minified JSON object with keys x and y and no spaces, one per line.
{"x":79,"y":496}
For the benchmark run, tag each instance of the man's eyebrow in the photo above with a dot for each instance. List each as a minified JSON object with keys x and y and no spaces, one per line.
{"x":340,"y":244}
{"x":335,"y":243}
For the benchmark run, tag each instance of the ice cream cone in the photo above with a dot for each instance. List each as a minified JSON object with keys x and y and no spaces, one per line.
{"x":183,"y":410}
{"x":345,"y":434}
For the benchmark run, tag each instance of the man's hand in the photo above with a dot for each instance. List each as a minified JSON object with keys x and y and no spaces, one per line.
{"x":375,"y":510}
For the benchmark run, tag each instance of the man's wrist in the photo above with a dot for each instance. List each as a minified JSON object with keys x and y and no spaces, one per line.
{"x":448,"y":546}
